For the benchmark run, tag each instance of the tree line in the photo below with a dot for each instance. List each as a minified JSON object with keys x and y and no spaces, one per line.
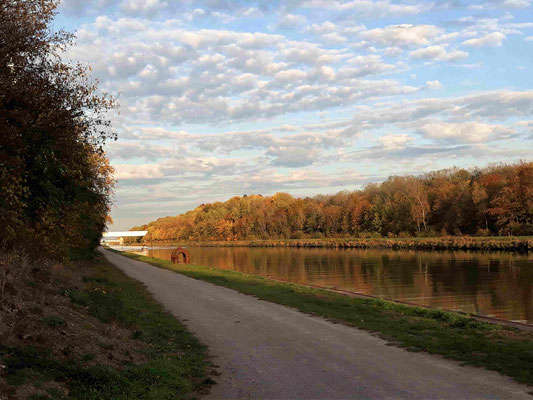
{"x":56,"y":181}
{"x":496,"y":200}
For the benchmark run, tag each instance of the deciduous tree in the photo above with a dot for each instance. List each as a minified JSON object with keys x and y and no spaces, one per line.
{"x":56,"y":183}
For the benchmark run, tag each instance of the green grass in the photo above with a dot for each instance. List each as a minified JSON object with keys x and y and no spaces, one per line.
{"x":177,"y":365}
{"x":452,"y":335}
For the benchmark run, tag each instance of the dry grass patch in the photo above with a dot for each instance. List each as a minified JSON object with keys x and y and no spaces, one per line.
{"x":84,"y":330}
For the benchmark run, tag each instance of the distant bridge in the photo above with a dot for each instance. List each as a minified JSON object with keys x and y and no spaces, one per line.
{"x":124,"y":234}
{"x":119,"y":236}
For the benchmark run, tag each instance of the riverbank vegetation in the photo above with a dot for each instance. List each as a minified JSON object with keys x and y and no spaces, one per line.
{"x":505,"y":243}
{"x":497,"y":200}
{"x":452,"y":335}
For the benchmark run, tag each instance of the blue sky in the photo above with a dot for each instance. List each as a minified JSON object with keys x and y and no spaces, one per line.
{"x":221,"y":98}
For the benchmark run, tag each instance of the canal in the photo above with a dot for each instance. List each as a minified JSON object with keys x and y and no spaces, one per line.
{"x":492,"y":284}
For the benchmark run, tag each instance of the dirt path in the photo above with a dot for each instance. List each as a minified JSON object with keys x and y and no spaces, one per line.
{"x":267,"y":351}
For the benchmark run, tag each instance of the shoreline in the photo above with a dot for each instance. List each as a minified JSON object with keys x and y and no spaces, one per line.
{"x":513,"y":244}
{"x":451,"y":334}
{"x":482,"y":318}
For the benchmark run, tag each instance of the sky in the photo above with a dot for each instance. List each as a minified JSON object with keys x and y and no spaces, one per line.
{"x":223,"y":97}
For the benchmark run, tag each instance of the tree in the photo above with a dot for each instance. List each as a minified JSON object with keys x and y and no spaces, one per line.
{"x":513,"y":205}
{"x":56,"y":182}
{"x":449,"y":201}
{"x":419,"y":201}
{"x":481,"y":200}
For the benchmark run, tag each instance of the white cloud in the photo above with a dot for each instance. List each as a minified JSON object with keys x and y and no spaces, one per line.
{"x":265,"y":181}
{"x":491,"y":39}
{"x":434,"y":84}
{"x":439,"y":53}
{"x":82,"y":7}
{"x":173,"y":75}
{"x":293,"y":156}
{"x":395,"y":141}
{"x":321,"y":29}
{"x":290,"y":75}
{"x":384,"y":8}
{"x":402,"y":35}
{"x":142,"y":6}
{"x":365,"y":65}
{"x":370,"y":8}
{"x":516,"y":3}
{"x":291,"y":21}
{"x":126,"y":150}
{"x":465,"y":132}
{"x":143,"y":171}
{"x":192,"y":167}
{"x":153,"y":133}
{"x":528,"y":127}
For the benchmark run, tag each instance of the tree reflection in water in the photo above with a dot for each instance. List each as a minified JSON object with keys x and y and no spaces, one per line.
{"x":492,"y":284}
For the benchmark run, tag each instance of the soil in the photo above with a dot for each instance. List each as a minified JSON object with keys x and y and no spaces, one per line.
{"x":36,"y":312}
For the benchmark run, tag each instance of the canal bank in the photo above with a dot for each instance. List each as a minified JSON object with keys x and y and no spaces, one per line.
{"x":482,"y":243}
{"x":492,"y":284}
{"x":452,"y":335}
{"x":265,"y":350}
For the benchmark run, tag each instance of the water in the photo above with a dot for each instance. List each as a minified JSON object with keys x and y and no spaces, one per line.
{"x":491,"y":284}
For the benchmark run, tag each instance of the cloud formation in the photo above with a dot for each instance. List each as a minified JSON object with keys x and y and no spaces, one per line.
{"x":490,"y":39}
{"x":220,"y":97}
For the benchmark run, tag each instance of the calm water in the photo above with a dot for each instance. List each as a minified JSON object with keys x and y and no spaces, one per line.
{"x":492,"y":284}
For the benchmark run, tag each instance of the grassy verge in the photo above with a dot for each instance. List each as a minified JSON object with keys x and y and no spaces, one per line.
{"x":174,"y":364}
{"x":452,"y":335}
{"x":503,"y":243}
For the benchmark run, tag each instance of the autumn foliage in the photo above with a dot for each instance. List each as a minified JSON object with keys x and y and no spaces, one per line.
{"x":496,"y":200}
{"x":56,"y":182}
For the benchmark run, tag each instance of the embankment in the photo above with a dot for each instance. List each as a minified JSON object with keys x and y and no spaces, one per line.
{"x":520,"y":244}
{"x":84,"y":330}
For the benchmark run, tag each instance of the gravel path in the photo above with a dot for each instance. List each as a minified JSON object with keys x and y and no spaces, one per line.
{"x":267,"y":351}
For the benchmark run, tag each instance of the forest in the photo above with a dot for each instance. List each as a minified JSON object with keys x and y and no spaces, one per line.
{"x":495,"y":200}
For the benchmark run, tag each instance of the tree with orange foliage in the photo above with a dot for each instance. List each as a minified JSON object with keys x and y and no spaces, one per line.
{"x":513,"y":205}
{"x":454,"y":201}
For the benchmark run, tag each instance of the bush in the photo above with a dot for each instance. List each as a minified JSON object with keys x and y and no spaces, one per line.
{"x":524,"y":230}
{"x":297,"y":235}
{"x":482,"y":232}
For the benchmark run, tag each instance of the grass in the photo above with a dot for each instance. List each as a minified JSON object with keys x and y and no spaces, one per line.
{"x":177,"y":365}
{"x":452,"y":335}
{"x":498,"y":243}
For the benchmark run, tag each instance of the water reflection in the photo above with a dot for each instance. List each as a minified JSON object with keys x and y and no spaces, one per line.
{"x":491,"y":284}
